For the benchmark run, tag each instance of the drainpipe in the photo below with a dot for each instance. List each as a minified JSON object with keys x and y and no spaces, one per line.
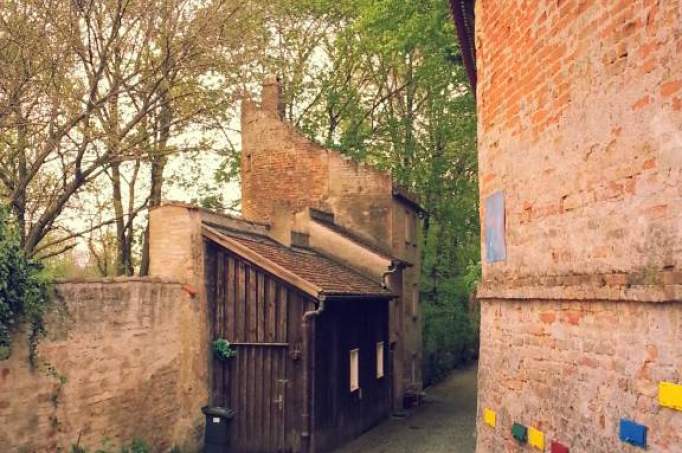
{"x":309,"y":373}
{"x":392,"y":269}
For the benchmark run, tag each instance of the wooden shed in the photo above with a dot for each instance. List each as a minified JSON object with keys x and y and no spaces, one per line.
{"x":312,"y":369}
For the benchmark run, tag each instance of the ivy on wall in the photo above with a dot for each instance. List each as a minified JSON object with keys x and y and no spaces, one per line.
{"x":23,"y":290}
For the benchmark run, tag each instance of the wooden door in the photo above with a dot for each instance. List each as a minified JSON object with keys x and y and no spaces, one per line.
{"x":258,"y":392}
{"x":250,"y":310}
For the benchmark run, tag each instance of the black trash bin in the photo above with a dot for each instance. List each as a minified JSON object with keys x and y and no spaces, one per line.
{"x":217,"y":433}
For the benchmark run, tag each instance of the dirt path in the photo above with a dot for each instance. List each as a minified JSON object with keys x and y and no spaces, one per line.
{"x":445,"y":423}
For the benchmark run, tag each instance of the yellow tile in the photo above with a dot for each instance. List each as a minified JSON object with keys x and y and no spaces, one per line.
{"x":490,"y":417}
{"x":670,"y":395}
{"x":536,"y":438}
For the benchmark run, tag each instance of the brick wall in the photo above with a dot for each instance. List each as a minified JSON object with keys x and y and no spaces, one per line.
{"x":282,"y":171}
{"x":580,"y":113}
{"x":573,"y":369}
{"x":579,"y":124}
{"x":134,"y":365}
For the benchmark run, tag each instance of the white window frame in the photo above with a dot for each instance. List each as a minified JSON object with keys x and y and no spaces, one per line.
{"x":380,"y":360}
{"x":354,"y":368}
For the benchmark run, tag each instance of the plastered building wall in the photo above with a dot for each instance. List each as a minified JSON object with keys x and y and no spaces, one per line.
{"x":580,"y":130}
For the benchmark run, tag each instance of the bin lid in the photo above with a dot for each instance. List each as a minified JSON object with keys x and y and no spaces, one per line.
{"x":218,"y":411}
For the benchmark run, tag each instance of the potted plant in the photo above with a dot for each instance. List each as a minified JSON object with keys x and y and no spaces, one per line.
{"x":222,"y":349}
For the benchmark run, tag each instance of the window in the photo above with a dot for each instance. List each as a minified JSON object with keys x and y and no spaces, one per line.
{"x":247,"y":163}
{"x":380,"y":360}
{"x":354,"y":369}
{"x":409,"y":230}
{"x":415,"y":302}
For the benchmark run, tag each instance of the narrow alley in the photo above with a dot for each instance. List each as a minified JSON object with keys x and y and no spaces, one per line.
{"x":445,"y":423}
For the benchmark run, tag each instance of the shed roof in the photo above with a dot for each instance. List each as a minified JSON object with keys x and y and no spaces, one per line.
{"x":305,"y":269}
{"x":463,"y":12}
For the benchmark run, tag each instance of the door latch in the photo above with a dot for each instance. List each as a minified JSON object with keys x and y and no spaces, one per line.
{"x":279,"y":401}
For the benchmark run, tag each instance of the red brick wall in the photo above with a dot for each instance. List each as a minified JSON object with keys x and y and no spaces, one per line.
{"x":286,"y":171}
{"x":573,"y":369}
{"x":580,"y":108}
{"x":580,"y":125}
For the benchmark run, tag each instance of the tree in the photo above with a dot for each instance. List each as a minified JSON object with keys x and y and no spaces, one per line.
{"x":54,"y":90}
{"x":107,"y":89}
{"x":23,"y":289}
{"x":385,"y":84}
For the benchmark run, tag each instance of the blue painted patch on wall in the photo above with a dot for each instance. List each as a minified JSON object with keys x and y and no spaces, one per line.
{"x":495,"y":246}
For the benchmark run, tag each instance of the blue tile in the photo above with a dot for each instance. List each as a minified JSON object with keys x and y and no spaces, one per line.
{"x":632,"y":433}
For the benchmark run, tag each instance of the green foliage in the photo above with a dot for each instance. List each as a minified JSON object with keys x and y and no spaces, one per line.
{"x":136,"y":446}
{"x":448,"y":336}
{"x":395,"y":95}
{"x":223,"y":350}
{"x":23,"y":290}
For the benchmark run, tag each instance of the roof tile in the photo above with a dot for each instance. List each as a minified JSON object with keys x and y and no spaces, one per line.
{"x":330,"y":276}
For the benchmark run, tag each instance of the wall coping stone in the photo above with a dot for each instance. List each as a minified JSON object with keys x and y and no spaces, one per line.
{"x":182,"y":204}
{"x":635,"y":293}
{"x":115,"y":280}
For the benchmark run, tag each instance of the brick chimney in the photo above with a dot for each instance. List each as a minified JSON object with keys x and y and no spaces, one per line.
{"x":271,"y":102}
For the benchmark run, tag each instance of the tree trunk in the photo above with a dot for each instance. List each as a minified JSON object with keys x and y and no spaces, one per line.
{"x":408,"y":121}
{"x":19,"y":202}
{"x":159,"y":158}
{"x":122,"y":243}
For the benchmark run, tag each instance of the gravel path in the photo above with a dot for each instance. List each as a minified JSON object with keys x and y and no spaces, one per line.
{"x":445,"y":423}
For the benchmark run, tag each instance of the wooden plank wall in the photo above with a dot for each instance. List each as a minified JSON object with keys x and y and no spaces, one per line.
{"x":341,"y":415}
{"x":261,"y":316}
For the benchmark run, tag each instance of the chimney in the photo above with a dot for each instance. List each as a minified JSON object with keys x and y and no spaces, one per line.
{"x":271,"y":102}
{"x":300,"y":239}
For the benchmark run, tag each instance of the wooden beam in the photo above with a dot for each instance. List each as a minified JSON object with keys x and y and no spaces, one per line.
{"x":260,"y":261}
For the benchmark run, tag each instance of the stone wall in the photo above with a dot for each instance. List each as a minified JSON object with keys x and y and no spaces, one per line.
{"x":133,"y":367}
{"x":573,"y":369}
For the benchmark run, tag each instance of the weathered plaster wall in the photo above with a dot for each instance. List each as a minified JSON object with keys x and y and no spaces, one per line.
{"x":405,"y":246}
{"x":361,"y":198}
{"x":573,"y":369}
{"x":133,"y":364}
{"x":580,"y":126}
